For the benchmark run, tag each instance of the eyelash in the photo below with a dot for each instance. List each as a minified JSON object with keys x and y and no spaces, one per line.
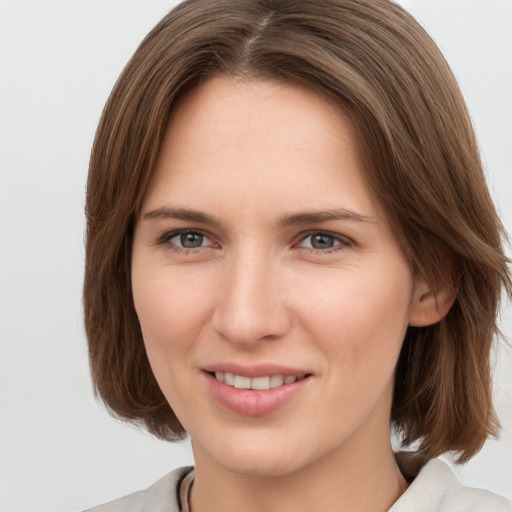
{"x":167,"y":237}
{"x":343,"y":242}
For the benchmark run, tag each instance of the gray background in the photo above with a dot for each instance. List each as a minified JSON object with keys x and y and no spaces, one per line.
{"x":59,"y":450}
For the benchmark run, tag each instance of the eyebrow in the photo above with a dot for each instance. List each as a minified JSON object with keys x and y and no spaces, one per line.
{"x":316,"y":217}
{"x":292,"y":219}
{"x":180,"y":214}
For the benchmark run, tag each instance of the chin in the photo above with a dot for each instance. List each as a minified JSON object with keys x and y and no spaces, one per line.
{"x":260,"y":465}
{"x":256,"y":457}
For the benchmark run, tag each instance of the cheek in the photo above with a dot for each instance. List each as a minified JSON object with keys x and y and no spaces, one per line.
{"x":359,"y":316}
{"x":172,"y":311}
{"x":171,"y":306}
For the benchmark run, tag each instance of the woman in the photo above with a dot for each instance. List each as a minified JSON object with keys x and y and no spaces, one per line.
{"x":290,"y":250}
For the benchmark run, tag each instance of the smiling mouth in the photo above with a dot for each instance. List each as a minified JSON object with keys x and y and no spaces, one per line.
{"x":256,"y":383}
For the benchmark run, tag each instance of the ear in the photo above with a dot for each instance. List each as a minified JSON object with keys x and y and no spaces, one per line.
{"x":431,"y":304}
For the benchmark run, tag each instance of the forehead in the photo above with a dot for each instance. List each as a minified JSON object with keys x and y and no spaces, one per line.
{"x":275,"y":137}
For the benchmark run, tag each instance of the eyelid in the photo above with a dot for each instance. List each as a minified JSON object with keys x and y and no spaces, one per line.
{"x":169,"y":235}
{"x":344,"y":241}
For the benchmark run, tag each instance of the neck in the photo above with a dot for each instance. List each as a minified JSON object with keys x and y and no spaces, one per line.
{"x":351,"y":480}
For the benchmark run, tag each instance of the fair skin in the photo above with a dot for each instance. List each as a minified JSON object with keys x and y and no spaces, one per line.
{"x":260,"y":253}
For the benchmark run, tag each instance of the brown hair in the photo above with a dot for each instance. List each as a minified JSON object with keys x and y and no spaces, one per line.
{"x":422,"y":162}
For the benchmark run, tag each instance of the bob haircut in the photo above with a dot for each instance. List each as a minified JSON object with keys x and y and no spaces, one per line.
{"x":421,"y":159}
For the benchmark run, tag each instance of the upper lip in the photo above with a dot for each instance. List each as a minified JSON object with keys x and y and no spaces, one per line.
{"x":256,"y":370}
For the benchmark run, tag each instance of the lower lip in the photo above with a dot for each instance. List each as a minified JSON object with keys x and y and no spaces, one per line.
{"x":249,"y":402}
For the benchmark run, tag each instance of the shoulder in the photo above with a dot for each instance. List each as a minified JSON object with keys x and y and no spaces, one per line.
{"x":162,"y":496}
{"x":436,"y":488}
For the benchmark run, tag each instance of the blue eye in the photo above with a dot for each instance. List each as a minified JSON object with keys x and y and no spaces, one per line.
{"x":187,"y":240}
{"x":320,"y":241}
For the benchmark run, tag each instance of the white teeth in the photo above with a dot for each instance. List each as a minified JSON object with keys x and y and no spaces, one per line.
{"x":242,"y":382}
{"x":260,"y":383}
{"x":257,"y":383}
{"x":276,"y":381}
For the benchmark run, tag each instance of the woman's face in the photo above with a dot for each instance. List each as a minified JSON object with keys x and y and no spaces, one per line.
{"x":260,"y":259}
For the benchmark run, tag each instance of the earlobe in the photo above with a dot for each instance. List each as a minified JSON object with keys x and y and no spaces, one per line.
{"x":429,"y":306}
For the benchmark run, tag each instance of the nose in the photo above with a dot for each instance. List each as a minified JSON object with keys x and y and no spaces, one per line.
{"x":251,"y":305}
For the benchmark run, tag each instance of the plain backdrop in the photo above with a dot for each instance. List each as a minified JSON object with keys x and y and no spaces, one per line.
{"x":59,"y":449}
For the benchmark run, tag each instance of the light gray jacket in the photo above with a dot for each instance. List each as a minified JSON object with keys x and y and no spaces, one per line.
{"x":435,"y":489}
{"x":162,"y":496}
